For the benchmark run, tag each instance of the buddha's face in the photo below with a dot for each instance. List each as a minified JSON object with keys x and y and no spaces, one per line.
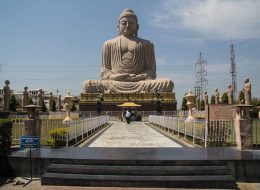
{"x":128,"y":26}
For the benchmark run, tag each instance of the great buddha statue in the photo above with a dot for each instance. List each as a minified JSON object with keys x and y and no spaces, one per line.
{"x":128,"y":63}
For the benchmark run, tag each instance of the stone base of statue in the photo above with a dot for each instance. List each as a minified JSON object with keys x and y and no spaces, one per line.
{"x":88,"y":101}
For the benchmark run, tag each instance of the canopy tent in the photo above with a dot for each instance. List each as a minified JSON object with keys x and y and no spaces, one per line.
{"x":129,"y":104}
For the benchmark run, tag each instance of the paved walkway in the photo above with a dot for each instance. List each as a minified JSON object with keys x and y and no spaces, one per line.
{"x":135,"y":134}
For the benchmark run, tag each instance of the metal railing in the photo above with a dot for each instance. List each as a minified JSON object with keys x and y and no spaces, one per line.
{"x":215,"y":133}
{"x":74,"y":130}
{"x":256,"y":132}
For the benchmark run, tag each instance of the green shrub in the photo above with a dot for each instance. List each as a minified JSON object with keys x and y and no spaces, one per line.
{"x":5,"y":136}
{"x":57,"y":137}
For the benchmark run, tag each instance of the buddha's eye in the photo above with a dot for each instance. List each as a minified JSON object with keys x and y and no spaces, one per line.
{"x":123,"y":23}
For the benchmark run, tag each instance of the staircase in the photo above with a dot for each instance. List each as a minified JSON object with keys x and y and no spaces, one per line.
{"x":152,"y":173}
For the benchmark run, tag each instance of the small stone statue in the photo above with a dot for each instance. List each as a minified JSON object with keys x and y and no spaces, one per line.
{"x":59,"y":103}
{"x":206,"y":98}
{"x":230,"y":94}
{"x":51,"y":101}
{"x":6,"y":96}
{"x":40,"y":98}
{"x":247,"y":91}
{"x":216,"y":96}
{"x":25,"y":100}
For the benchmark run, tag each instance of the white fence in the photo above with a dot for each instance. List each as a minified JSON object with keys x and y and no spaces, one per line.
{"x":74,"y":130}
{"x":215,"y":133}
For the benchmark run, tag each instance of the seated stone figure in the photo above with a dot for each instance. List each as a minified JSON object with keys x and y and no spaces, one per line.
{"x":128,"y":63}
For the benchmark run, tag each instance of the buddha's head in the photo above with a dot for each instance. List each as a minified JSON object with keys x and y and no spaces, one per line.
{"x":128,"y":23}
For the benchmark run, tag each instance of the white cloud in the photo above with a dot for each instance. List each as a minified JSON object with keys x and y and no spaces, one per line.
{"x":210,"y":19}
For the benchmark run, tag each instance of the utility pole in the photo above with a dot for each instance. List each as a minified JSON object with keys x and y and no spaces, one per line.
{"x":201,"y":81}
{"x":233,"y":71}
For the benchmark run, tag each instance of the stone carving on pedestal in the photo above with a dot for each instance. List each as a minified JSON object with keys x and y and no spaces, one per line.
{"x":59,"y":103}
{"x":6,"y":96}
{"x":51,"y":101}
{"x":25,"y":100}
{"x":40,"y":98}
{"x":216,"y":95}
{"x":247,"y":91}
{"x":230,"y":94}
{"x":128,"y":63}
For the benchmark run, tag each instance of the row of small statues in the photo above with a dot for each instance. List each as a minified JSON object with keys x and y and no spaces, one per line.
{"x":246,"y":92}
{"x":25,"y":98}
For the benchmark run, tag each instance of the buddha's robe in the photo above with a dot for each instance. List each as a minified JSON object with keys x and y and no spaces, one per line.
{"x":142,"y":62}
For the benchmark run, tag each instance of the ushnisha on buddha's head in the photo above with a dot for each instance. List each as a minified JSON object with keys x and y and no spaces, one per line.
{"x":128,"y":23}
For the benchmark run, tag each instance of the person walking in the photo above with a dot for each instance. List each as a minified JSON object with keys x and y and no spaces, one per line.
{"x":128,"y":116}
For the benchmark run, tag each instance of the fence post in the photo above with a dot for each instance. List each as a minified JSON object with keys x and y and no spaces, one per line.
{"x":193,"y":132}
{"x":75,"y":129}
{"x":67,"y":139}
{"x":206,"y":134}
{"x":178,"y":127}
{"x":82,"y":127}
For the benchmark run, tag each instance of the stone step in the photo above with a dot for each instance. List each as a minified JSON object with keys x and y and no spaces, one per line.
{"x":141,"y":162}
{"x":138,"y":170}
{"x":202,"y":181}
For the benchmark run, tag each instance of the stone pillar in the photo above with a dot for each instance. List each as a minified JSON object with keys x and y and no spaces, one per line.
{"x":30,"y":127}
{"x":33,"y":124}
{"x":243,"y":127}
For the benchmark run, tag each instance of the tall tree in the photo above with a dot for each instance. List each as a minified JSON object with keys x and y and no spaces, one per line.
{"x":225,"y":99}
{"x":184,"y":106}
{"x":202,"y":105}
{"x":241,"y":97}
{"x":73,"y":108}
{"x":13,"y":103}
{"x":212,"y":100}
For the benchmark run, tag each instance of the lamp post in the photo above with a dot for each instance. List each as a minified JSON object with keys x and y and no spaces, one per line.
{"x":190,"y":97}
{"x":68,"y":105}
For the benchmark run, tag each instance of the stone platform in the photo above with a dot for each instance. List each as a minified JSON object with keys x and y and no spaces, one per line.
{"x":88,"y":101}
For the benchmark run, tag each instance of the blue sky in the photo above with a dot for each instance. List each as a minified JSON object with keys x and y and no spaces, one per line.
{"x":56,"y":44}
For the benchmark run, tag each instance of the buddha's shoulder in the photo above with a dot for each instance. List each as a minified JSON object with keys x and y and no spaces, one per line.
{"x":144,"y":41}
{"x":112,"y":41}
{"x":117,"y":39}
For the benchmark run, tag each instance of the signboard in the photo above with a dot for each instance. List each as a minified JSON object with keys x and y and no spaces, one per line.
{"x":30,"y":142}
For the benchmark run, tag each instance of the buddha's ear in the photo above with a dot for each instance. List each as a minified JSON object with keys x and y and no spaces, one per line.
{"x":137,"y":28}
{"x":118,"y":29}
